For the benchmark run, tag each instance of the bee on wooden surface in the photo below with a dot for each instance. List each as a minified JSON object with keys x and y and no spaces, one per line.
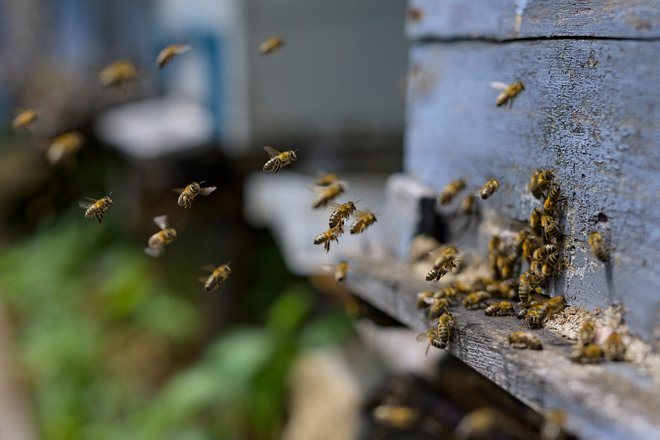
{"x":188,"y":194}
{"x":425,"y":299}
{"x":587,"y":354}
{"x":451,"y":190}
{"x":509,"y":92}
{"x":341,"y":271}
{"x":524,"y":287}
{"x":328,"y":236}
{"x":341,"y":212}
{"x":597,"y":244}
{"x":327,"y":194}
{"x":476,"y":299}
{"x":523,"y":340}
{"x":534,"y":187}
{"x":431,"y":335}
{"x":553,"y":425}
{"x":534,"y":316}
{"x":554,"y":305}
{"x":326,"y":179}
{"x":550,"y":203}
{"x":544,"y":252}
{"x":64,"y":147}
{"x":271,"y":45}
{"x":586,"y":333}
{"x":396,"y":416}
{"x":550,"y":226}
{"x":439,"y":306}
{"x":278,"y":160}
{"x":444,"y":328}
{"x":535,"y":221}
{"x":217,"y":277}
{"x":158,"y":241}
{"x":504,"y":289}
{"x":25,"y":119}
{"x":502,"y":308}
{"x":118,"y":74}
{"x":463,"y":287}
{"x":446,"y":292}
{"x":489,"y":188}
{"x":96,"y":208}
{"x":545,"y":179}
{"x":613,"y":348}
{"x":166,"y":55}
{"x":364,"y":219}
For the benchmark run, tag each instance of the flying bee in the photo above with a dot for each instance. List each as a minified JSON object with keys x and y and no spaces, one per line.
{"x":326,"y":179}
{"x":439,"y":306}
{"x":25,"y":119}
{"x":327,"y":194}
{"x":118,"y":74}
{"x":217,"y":277}
{"x":489,"y":188}
{"x":613,"y":348}
{"x":64,"y":147}
{"x":271,"y":45}
{"x":550,"y":203}
{"x":587,"y":354}
{"x":535,"y":221}
{"x":534,"y":187}
{"x":469,"y":205}
{"x":96,"y":208}
{"x":188,"y":194}
{"x":435,"y":274}
{"x":158,"y":241}
{"x":586,"y":333}
{"x":545,"y":179}
{"x":363,"y":221}
{"x":597,"y":244}
{"x":451,"y":190}
{"x":341,"y":271}
{"x":397,"y":416}
{"x":431,"y":335}
{"x":445,"y":256}
{"x":278,"y":160}
{"x":523,"y":340}
{"x":341,"y":212}
{"x":502,"y":308}
{"x":476,"y":299}
{"x":328,"y":236}
{"x":509,"y":92}
{"x":425,"y":299}
{"x":166,"y":55}
{"x":550,"y":226}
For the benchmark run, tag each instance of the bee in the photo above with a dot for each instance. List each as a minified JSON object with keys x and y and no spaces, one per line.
{"x":489,"y":188}
{"x":341,"y":271}
{"x":431,"y":335}
{"x":96,"y":208}
{"x":550,"y":202}
{"x":326,"y":179}
{"x":534,"y":316}
{"x":217,"y":277}
{"x":550,"y":227}
{"x":435,"y":274}
{"x":587,"y":354}
{"x":278,"y":160}
{"x":158,"y":241}
{"x":597,"y":244}
{"x":64,"y":147}
{"x":535,"y":221}
{"x":545,"y":179}
{"x":504,"y":266}
{"x":519,"y":241}
{"x":451,"y":190}
{"x":330,"y":235}
{"x":444,"y":328}
{"x":508,"y":93}
{"x":188,"y":194}
{"x":553,"y":305}
{"x":166,"y":55}
{"x":482,"y":423}
{"x":446,"y":292}
{"x":544,"y":252}
{"x":504,"y":289}
{"x":425,"y":299}
{"x":502,"y":308}
{"x":364,"y":220}
{"x":613,"y":348}
{"x":397,"y":416}
{"x":534,"y":187}
{"x":469,"y":205}
{"x":536,"y":266}
{"x":271,"y":45}
{"x":553,"y":265}
{"x":118,"y":74}
{"x":439,"y":306}
{"x":523,"y":340}
{"x":586,"y":333}
{"x":341,"y":212}
{"x":445,"y":257}
{"x":475,"y":299}
{"x":25,"y":119}
{"x":327,"y":194}
{"x":530,"y":244}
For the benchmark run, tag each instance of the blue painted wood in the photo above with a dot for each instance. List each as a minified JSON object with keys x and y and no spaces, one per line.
{"x":590,"y":111}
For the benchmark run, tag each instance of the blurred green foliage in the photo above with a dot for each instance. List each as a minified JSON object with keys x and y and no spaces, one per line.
{"x":104,"y":340}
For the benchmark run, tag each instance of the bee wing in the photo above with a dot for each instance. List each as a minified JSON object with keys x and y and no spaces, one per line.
{"x":154,"y":252}
{"x":333,"y":205}
{"x":422,"y":336}
{"x":161,"y":221}
{"x":179,"y":49}
{"x":272,"y":152}
{"x":208,"y":267}
{"x":84,"y":204}
{"x":497,"y":85}
{"x":178,"y":190}
{"x":208,"y":190}
{"x":202,"y":279}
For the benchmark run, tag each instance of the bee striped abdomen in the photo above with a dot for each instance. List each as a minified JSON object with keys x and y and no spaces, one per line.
{"x":273,"y":165}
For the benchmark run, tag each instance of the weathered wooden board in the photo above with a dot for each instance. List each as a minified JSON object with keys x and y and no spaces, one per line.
{"x":605,"y":401}
{"x":509,"y":19}
{"x":590,"y":111}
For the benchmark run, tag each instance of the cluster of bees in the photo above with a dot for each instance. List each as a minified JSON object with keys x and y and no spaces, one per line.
{"x":520,"y":265}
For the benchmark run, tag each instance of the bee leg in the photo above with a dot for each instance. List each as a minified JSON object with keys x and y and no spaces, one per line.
{"x":99,"y":217}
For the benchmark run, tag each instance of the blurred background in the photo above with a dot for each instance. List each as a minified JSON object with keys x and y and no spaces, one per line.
{"x":99,"y":340}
